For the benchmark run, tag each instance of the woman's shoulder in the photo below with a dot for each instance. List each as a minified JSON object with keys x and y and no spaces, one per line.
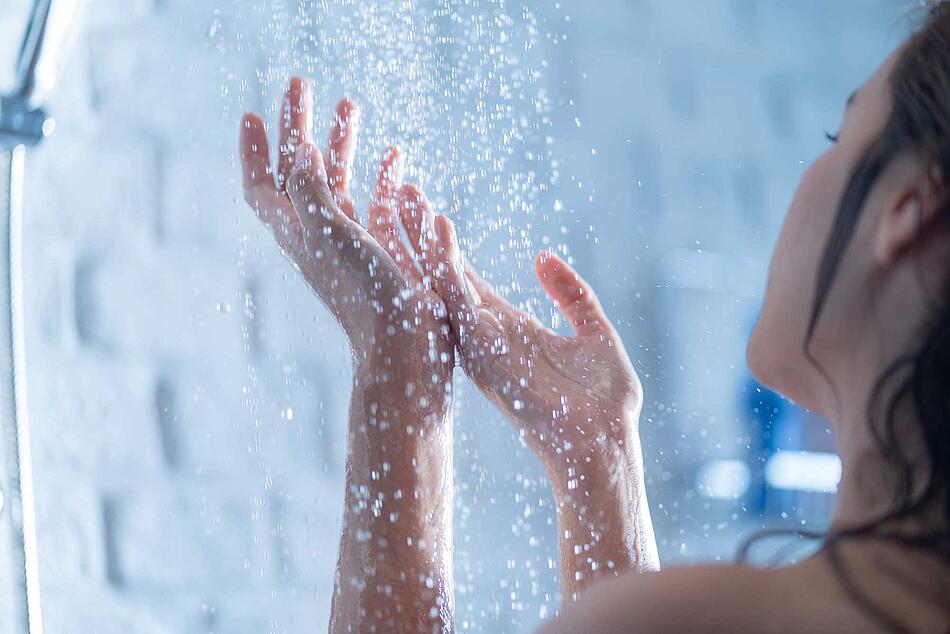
{"x":714,"y":598}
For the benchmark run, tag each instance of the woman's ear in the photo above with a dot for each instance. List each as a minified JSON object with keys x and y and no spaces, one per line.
{"x":914,"y":214}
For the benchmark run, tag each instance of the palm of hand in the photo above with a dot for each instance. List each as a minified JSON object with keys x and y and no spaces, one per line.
{"x":563,"y":392}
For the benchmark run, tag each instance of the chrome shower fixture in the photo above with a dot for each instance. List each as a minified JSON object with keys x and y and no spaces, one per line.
{"x":23,"y":123}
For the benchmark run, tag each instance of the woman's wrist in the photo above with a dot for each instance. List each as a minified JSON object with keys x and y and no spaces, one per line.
{"x":400,"y":422}
{"x":411,"y":383}
{"x":600,"y":499}
{"x":600,"y":491}
{"x":597,"y":530}
{"x":397,"y":522}
{"x":606,"y":455}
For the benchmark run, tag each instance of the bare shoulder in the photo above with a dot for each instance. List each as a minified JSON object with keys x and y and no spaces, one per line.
{"x":709,"y":599}
{"x":698,"y":598}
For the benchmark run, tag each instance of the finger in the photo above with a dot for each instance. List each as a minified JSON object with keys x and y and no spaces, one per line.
{"x":389,"y":180}
{"x":310,"y":193}
{"x":344,"y":265}
{"x":341,"y":148}
{"x":480,"y":330}
{"x":409,"y":204}
{"x":418,"y":220}
{"x":309,"y":160}
{"x":573,"y":296}
{"x":381,"y":222}
{"x":295,"y":126}
{"x":255,"y":156}
{"x":260,"y":191}
{"x":327,"y":232}
{"x":461,"y":299}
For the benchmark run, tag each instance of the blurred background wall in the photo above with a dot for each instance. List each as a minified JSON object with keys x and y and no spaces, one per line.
{"x":187,"y":392}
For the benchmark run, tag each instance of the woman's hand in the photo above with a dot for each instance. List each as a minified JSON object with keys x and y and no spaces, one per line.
{"x":572,"y":398}
{"x":575,"y":400}
{"x":364,"y":275}
{"x":394,"y":572}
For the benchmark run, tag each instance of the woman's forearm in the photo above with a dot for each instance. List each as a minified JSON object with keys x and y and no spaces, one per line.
{"x":394,"y":572}
{"x":604,"y":524}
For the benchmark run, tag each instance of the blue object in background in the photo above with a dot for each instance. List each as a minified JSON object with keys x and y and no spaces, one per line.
{"x":766,"y":411}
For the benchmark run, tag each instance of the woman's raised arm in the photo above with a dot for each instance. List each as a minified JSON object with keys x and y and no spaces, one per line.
{"x":394,"y":572}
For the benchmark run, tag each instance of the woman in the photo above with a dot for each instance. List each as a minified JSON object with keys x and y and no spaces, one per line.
{"x":859,"y":275}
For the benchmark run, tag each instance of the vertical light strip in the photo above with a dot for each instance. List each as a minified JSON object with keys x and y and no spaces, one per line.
{"x":28,"y":509}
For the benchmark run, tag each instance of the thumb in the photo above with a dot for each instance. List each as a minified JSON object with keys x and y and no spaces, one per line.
{"x":327,"y":231}
{"x":573,"y":296}
{"x":310,"y":194}
{"x":461,"y":299}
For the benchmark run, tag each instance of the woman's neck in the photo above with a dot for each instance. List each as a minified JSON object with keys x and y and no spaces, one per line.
{"x":880,"y":448}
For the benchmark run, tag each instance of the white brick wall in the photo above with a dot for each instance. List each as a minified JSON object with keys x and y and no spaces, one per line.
{"x":175,"y":491}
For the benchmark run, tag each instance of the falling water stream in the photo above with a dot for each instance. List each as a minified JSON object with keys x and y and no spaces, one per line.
{"x":465,"y":89}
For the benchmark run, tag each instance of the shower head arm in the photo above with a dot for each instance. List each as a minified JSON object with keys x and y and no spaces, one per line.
{"x":21,"y":121}
{"x":31,"y":49}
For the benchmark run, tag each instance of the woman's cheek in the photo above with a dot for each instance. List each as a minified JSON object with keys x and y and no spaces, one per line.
{"x":775,"y":347}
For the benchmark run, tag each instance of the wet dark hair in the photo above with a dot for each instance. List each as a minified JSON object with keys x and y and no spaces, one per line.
{"x":919,"y":123}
